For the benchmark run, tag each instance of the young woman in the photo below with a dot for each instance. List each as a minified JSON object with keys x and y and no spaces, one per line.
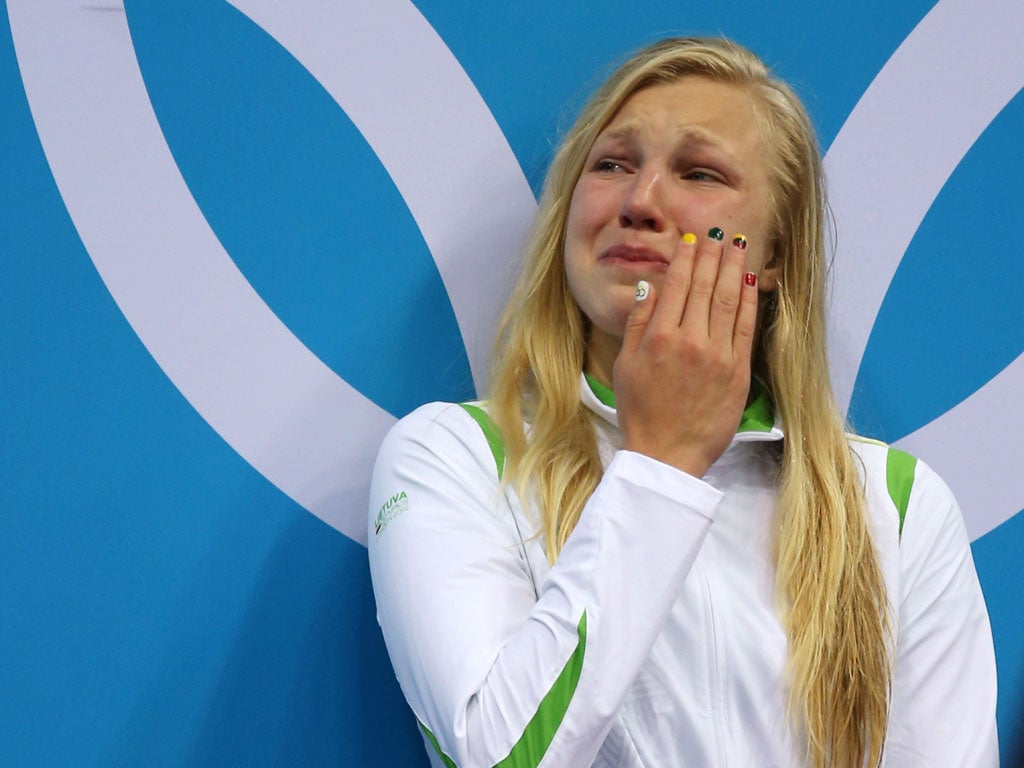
{"x":654,"y":544}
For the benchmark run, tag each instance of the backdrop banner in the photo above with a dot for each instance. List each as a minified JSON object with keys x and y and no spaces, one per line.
{"x":243,"y":237}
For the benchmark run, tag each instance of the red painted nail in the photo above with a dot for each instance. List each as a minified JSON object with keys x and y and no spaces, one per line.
{"x":740,"y":242}
{"x":750,"y":279}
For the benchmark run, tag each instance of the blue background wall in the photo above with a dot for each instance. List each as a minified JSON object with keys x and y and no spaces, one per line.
{"x":163,"y":602}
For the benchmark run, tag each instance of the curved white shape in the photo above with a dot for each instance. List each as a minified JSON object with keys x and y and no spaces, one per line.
{"x":976,"y":448}
{"x":924,"y":110}
{"x":408,"y":95}
{"x":255,"y":383}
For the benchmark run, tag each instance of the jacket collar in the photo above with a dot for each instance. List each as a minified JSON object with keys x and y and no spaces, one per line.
{"x":758,"y":423}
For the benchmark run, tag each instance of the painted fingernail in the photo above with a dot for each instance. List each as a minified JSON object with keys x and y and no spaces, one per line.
{"x":642,"y":289}
{"x":740,"y":241}
{"x":750,"y":279}
{"x":715,"y":233}
{"x":689,"y":238}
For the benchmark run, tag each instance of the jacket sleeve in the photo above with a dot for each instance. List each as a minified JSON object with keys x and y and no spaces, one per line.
{"x":944,"y":686}
{"x":495,"y":674}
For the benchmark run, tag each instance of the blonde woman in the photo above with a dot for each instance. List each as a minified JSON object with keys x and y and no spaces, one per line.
{"x":654,"y":545}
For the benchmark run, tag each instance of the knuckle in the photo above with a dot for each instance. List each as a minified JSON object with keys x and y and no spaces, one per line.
{"x":692,"y":348}
{"x":676,"y":281}
{"x":659,"y":339}
{"x":723,"y":360}
{"x":718,"y":361}
{"x":727,"y":301}
{"x":734,"y":256}
{"x":703,"y":286}
{"x":745,"y":329}
{"x":635,"y":320}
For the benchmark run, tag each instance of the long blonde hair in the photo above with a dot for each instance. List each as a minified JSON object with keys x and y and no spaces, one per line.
{"x":830,"y":587}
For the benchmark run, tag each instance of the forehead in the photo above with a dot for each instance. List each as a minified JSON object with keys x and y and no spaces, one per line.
{"x":695,"y":109}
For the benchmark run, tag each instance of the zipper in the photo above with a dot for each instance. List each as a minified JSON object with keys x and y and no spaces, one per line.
{"x":716,"y":677}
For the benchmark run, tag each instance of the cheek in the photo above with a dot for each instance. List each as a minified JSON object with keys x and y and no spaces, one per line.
{"x":582,"y":226}
{"x":574,"y":253}
{"x":604,"y":301}
{"x":731,"y":213}
{"x":757,"y":231}
{"x":761,"y":246}
{"x":756,"y":258}
{"x":591,"y":207}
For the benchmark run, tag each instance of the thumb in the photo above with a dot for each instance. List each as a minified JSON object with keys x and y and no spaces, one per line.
{"x":639,"y":316}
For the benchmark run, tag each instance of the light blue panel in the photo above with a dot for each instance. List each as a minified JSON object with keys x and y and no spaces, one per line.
{"x":954,"y":314}
{"x":301,"y":202}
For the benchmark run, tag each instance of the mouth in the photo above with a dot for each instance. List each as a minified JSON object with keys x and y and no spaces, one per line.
{"x":632,"y":255}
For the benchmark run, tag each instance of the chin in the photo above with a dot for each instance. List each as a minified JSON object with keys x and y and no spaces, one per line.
{"x":613,"y":323}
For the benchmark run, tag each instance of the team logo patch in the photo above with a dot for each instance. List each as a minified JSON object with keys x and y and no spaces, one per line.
{"x":392,"y":508}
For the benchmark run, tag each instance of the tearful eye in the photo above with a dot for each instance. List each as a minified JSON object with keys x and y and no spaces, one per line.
{"x":606,"y":165}
{"x":703,"y":175}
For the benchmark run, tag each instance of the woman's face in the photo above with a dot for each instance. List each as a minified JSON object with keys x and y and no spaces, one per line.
{"x":681,"y":157}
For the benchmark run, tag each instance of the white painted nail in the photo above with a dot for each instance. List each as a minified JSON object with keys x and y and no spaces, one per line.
{"x":642,"y":289}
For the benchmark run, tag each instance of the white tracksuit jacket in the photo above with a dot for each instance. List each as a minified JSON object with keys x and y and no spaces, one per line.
{"x":653,"y":641}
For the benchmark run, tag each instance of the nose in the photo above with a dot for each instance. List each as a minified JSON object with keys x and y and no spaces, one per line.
{"x":641,"y":207}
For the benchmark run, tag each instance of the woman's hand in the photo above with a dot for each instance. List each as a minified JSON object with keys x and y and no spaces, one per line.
{"x":682,"y":377}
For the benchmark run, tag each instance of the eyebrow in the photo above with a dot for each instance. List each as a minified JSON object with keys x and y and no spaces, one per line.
{"x":689,"y":135}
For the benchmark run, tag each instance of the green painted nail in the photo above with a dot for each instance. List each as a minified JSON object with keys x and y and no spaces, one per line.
{"x":716,"y":234}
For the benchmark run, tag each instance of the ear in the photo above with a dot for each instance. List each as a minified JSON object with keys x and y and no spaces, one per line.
{"x":768,"y":275}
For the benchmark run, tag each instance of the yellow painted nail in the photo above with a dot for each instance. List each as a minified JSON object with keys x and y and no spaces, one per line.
{"x":740,"y":241}
{"x":689,"y":238}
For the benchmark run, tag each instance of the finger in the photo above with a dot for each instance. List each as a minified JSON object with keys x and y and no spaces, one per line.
{"x":726,"y":300}
{"x":676,"y":286}
{"x":746,"y":318}
{"x":702,"y":288}
{"x":639,"y":316}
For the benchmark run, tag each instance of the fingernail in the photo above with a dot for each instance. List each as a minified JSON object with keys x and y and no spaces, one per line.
{"x":750,"y":279}
{"x":689,"y":238}
{"x":715,"y":233}
{"x":642,"y":289}
{"x":740,"y":241}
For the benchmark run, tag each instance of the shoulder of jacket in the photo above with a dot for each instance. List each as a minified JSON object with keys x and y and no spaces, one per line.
{"x":438,"y":425}
{"x":495,"y":442}
{"x":897,"y":468}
